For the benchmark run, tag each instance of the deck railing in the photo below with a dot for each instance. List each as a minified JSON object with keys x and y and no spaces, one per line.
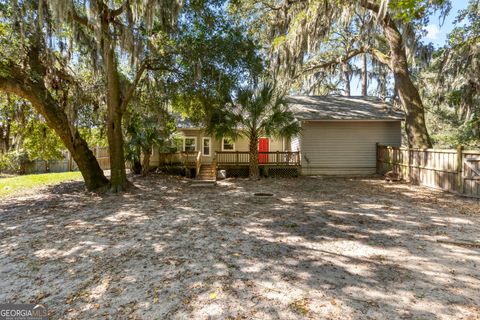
{"x":186,"y":158}
{"x":193,"y":159}
{"x":198,"y":161}
{"x":275,"y":158}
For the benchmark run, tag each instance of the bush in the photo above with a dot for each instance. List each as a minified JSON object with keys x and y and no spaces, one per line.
{"x":14,"y":161}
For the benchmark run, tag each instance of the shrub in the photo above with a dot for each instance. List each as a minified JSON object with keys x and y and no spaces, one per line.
{"x":14,"y":161}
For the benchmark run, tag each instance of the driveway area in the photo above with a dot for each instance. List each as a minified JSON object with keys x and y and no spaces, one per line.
{"x":319,"y":248}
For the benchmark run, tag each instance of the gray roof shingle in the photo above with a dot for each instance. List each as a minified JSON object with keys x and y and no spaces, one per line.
{"x":342,"y":108}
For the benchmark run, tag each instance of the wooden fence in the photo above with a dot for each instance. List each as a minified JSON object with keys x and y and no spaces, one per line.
{"x":67,"y":163}
{"x":103,"y":157}
{"x":451,"y":170}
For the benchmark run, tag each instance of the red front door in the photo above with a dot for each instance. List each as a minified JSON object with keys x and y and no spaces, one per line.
{"x":263,"y":147}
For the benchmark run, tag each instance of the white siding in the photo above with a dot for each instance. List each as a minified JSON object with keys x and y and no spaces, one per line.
{"x":345,"y":147}
{"x":241,"y":144}
{"x":295,"y":144}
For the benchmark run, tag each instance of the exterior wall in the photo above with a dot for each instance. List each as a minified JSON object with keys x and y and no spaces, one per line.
{"x":241,"y":144}
{"x":344,"y":147}
{"x":295,"y":143}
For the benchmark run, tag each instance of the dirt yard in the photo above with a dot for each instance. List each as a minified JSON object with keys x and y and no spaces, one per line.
{"x":318,"y":249}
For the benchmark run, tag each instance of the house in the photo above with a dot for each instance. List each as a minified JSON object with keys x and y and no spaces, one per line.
{"x":339,"y":134}
{"x":225,"y":153}
{"x":338,"y":137}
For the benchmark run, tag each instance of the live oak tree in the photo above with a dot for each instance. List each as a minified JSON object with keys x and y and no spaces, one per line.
{"x":116,"y":35}
{"x":119,"y":42}
{"x":331,"y":67}
{"x":31,"y":71}
{"x":117,"y":39}
{"x":252,"y":114}
{"x":298,"y":27}
{"x":215,"y":56}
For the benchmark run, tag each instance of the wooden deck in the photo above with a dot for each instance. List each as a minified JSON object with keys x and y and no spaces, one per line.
{"x":235,"y":163}
{"x":185,"y":159}
{"x":228,"y":159}
{"x":271,"y":159}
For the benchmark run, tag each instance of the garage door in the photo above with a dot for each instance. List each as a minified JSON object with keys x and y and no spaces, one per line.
{"x":345,"y":148}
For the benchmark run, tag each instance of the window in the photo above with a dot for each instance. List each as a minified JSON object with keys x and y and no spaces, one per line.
{"x":206,"y":146}
{"x":228,"y":144}
{"x":189,"y":144}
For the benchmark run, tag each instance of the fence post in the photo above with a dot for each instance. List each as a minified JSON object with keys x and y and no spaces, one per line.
{"x":409,"y":168}
{"x":70,"y":160}
{"x":460,"y":169}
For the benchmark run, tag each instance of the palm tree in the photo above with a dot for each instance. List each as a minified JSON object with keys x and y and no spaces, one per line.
{"x":142,"y":134}
{"x":255,"y":113}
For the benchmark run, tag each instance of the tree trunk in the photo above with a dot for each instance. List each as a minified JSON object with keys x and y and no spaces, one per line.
{"x":118,"y":177}
{"x":346,"y":79}
{"x":254,"y":172}
{"x":136,"y":163}
{"x":13,"y":80}
{"x":415,"y":125}
{"x":364,"y":75}
{"x":146,"y":161}
{"x":7,"y":136}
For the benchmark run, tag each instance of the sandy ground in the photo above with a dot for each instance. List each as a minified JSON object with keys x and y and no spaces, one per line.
{"x":319,"y":249}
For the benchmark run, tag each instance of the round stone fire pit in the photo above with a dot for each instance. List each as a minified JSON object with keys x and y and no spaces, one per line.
{"x":263,"y":194}
{"x":262,"y":197}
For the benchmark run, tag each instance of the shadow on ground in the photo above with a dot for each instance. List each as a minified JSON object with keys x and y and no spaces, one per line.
{"x":319,"y":248}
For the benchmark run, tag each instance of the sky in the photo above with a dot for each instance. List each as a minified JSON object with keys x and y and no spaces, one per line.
{"x":436,"y":31}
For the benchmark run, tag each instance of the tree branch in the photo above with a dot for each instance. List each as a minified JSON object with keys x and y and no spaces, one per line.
{"x":335,"y":61}
{"x":131,"y":88}
{"x":116,"y":12}
{"x":377,"y":55}
{"x":81,"y":20}
{"x":380,"y":56}
{"x":386,"y":19}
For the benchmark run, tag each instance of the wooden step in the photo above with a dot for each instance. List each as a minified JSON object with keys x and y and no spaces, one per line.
{"x":206,"y":173}
{"x":205,"y":177}
{"x":203,"y":183}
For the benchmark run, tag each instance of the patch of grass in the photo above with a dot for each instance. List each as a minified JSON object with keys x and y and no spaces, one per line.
{"x":300,"y":306}
{"x":290,"y":225}
{"x":18,"y":184}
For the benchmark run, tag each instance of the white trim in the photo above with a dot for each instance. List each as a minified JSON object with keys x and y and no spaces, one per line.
{"x":190,"y":137}
{"x":233,"y":142}
{"x":209,"y":146}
